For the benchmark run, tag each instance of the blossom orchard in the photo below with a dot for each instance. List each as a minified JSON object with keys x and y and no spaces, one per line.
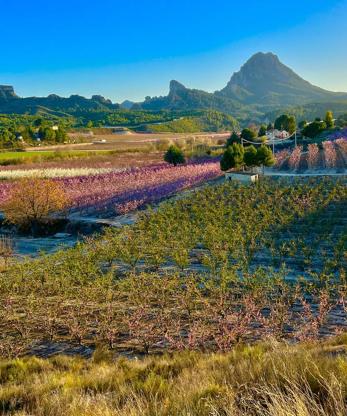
{"x":123,"y":191}
{"x":332,"y":156}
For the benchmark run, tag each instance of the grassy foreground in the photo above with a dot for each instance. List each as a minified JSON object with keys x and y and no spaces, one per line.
{"x":265,"y":379}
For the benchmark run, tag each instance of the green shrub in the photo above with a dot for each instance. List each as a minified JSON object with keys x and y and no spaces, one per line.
{"x":174,"y":155}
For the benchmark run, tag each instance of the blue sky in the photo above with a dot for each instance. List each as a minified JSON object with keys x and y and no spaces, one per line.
{"x":132,"y":48}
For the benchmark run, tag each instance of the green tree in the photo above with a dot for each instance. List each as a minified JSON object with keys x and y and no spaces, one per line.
{"x":302,"y":124}
{"x":286,"y":122}
{"x":250,"y":156}
{"x":46,"y":133}
{"x":39,"y":122}
{"x":269,"y":127}
{"x":329,"y":119}
{"x":60,"y":135}
{"x":7,"y":137}
{"x":248,"y":134}
{"x":314,"y":129}
{"x":234,"y":138}
{"x":264,"y":156}
{"x":262,"y":131}
{"x":174,"y":155}
{"x":233,"y":157}
{"x":28,"y":133}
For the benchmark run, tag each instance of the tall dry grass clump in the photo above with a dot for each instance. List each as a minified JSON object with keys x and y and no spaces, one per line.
{"x":261,"y":380}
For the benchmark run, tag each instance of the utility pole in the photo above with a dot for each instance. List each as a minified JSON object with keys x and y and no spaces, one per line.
{"x":295,"y":139}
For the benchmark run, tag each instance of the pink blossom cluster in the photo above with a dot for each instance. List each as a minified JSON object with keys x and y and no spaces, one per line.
{"x":295,"y":158}
{"x":330,"y":156}
{"x":341,"y":145}
{"x":313,"y":156}
{"x":5,"y":189}
{"x":281,"y":157}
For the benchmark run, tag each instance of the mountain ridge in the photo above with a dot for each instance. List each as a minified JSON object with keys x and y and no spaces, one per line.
{"x":262,"y":80}
{"x":263,"y":84}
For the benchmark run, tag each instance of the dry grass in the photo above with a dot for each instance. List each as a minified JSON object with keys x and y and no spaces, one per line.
{"x":262,"y":380}
{"x":117,"y":161}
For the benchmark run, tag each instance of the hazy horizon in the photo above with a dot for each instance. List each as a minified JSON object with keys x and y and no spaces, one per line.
{"x":124,"y":51}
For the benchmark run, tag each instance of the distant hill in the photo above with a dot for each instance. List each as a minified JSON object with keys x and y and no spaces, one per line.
{"x":204,"y":120}
{"x":127,"y":105}
{"x":11,"y":103}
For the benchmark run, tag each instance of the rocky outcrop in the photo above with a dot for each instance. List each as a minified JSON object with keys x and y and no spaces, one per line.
{"x":7,"y":92}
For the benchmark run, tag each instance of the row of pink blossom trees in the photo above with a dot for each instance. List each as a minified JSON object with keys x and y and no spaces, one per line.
{"x":123,"y":191}
{"x":332,"y":155}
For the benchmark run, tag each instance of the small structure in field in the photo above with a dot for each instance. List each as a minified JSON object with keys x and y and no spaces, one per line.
{"x":244,"y":177}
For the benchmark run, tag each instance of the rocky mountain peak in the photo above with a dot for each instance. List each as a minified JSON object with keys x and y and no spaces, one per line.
{"x":176,"y":87}
{"x":7,"y":92}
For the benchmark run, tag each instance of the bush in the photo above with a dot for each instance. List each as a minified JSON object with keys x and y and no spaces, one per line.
{"x":32,"y":200}
{"x":174,"y":155}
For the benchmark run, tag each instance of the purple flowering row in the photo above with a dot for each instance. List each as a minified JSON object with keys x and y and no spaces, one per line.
{"x":127,"y":190}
